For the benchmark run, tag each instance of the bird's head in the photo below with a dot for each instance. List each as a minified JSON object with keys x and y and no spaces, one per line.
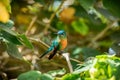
{"x":61,"y":34}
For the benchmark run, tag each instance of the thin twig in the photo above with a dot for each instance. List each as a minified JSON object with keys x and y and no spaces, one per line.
{"x":52,"y":16}
{"x":75,"y":60}
{"x":39,"y":42}
{"x":31,"y":25}
{"x":43,"y":24}
{"x":101,"y":34}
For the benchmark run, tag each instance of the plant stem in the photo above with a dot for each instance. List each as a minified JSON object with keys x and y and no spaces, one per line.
{"x":101,"y":34}
{"x":52,"y":17}
{"x":31,"y":25}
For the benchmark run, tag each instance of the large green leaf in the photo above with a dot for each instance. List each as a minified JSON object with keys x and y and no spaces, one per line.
{"x":87,"y":4}
{"x":113,"y":6}
{"x":11,"y":36}
{"x":34,"y":75}
{"x":25,"y":41}
{"x":80,"y":27}
{"x":8,"y":36}
{"x":31,"y":75}
{"x":89,"y":10}
{"x":12,"y":50}
{"x":105,"y":13}
{"x":46,"y":77}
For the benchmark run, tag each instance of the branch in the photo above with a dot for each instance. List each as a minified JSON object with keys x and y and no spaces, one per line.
{"x":39,"y":43}
{"x":43,"y":24}
{"x":52,"y":16}
{"x":31,"y":25}
{"x":75,"y":60}
{"x":101,"y":34}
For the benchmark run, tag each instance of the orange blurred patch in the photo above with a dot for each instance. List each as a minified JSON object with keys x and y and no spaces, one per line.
{"x":67,"y":15}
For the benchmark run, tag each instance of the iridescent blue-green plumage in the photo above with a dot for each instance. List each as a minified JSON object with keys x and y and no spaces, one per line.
{"x":56,"y":45}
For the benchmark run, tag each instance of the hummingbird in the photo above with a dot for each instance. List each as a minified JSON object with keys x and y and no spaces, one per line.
{"x":58,"y":44}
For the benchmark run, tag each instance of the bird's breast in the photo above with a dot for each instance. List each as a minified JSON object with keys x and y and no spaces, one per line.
{"x":63,"y":43}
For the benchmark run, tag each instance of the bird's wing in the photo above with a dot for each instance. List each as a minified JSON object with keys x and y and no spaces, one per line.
{"x":54,"y":52}
{"x":52,"y":47}
{"x":56,"y":47}
{"x":46,"y":52}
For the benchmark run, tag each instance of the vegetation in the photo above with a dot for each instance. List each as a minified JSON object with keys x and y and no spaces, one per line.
{"x":27,"y":28}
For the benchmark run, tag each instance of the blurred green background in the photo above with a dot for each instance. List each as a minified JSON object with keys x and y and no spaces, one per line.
{"x":27,"y":26}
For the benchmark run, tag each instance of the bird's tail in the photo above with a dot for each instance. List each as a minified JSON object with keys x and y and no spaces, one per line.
{"x":54,"y":52}
{"x":49,"y":50}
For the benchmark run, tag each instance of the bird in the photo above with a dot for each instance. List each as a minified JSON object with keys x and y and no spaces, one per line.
{"x":58,"y":44}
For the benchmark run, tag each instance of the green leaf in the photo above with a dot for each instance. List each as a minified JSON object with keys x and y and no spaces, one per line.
{"x":57,"y":72}
{"x":87,"y":4}
{"x":93,"y":18}
{"x":84,"y":67}
{"x":71,"y":77}
{"x":34,"y":75}
{"x":105,"y":13}
{"x":80,"y":27}
{"x":31,"y":75}
{"x":9,"y":31}
{"x":60,"y":25}
{"x":25,"y":41}
{"x":12,"y":50}
{"x":9,"y":24}
{"x":9,"y":36}
{"x":46,"y":77}
{"x":113,"y":6}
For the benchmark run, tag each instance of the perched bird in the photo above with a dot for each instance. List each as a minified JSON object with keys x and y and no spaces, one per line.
{"x":59,"y":44}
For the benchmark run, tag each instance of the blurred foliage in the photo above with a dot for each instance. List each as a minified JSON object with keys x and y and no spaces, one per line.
{"x":103,"y":67}
{"x":34,"y":75}
{"x":92,"y":27}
